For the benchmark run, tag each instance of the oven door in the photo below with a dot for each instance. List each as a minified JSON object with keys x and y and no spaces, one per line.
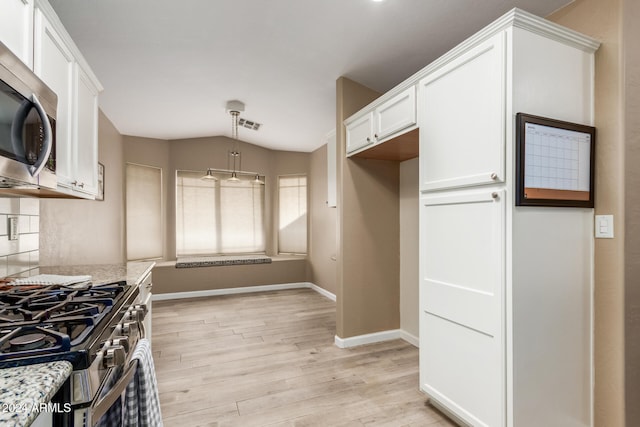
{"x":115,"y":368}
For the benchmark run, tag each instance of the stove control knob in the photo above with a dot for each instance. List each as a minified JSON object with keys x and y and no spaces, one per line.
{"x":114,"y":356}
{"x":121,"y":341}
{"x":127,"y":328}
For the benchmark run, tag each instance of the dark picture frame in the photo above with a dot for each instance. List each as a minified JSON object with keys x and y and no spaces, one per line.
{"x":100,"y":195}
{"x":548,"y":137}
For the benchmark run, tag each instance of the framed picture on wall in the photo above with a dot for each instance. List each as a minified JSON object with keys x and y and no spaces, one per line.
{"x":555,"y":162}
{"x":100,"y":195}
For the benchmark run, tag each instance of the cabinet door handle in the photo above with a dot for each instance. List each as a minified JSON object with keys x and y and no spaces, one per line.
{"x":74,"y":183}
{"x":368,"y":139}
{"x":494,"y":176}
{"x":81,"y":185}
{"x":375,"y":136}
{"x":495,"y":195}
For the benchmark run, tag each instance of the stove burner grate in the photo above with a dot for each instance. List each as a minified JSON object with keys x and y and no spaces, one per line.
{"x":31,"y":341}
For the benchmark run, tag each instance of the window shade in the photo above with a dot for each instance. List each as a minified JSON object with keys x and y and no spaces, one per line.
{"x":218,"y":217}
{"x":144,"y":212}
{"x":292,"y":196}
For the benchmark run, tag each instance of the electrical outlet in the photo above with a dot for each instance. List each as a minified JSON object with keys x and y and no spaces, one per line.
{"x":12,"y":227}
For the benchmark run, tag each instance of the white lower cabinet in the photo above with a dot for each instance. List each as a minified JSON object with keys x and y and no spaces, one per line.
{"x":461,"y":297}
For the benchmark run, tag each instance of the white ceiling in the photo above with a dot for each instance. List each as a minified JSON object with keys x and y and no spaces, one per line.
{"x":169,"y":66}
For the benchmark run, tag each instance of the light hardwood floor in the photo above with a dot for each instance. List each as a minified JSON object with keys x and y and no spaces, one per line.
{"x":268,"y":359}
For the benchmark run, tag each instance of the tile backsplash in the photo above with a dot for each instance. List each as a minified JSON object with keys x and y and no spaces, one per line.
{"x":21,"y":255}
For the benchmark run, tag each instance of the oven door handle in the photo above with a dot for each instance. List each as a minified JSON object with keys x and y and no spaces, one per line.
{"x":99,"y":408}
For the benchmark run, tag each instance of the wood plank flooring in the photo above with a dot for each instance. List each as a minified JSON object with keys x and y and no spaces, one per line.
{"x":268,"y":359}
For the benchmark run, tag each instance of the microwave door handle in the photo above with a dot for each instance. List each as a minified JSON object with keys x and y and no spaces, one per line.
{"x":35,"y":169}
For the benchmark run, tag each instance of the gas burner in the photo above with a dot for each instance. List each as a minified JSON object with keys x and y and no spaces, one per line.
{"x":31,"y":341}
{"x":28,"y":342}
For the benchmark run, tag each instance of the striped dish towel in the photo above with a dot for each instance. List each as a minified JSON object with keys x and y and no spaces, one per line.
{"x":142,"y":404}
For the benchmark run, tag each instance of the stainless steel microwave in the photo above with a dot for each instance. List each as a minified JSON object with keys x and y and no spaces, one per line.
{"x":27,"y":130}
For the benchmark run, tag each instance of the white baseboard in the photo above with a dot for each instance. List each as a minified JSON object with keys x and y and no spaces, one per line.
{"x":375,"y":337}
{"x":411,"y":339}
{"x":243,"y":290}
{"x":321,"y":291}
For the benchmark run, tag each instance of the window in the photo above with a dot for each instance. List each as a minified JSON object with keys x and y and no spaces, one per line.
{"x":292,"y":232}
{"x":144,"y":212}
{"x":217,"y":216}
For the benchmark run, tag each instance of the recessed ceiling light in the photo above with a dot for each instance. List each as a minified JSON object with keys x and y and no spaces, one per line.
{"x":378,"y":1}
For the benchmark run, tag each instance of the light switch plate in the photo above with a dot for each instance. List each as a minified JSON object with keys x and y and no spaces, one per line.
{"x":604,"y":226}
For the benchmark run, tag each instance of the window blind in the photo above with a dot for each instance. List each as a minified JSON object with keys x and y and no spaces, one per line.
{"x":218,"y":217}
{"x":292,"y":225}
{"x":143,"y":189}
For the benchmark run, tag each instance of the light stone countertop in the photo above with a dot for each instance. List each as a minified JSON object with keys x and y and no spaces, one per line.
{"x":132,"y":272}
{"x":23,"y":389}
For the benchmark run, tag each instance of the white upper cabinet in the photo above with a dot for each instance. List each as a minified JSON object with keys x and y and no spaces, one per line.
{"x":60,"y":65}
{"x":86,"y":138}
{"x":462,"y":118}
{"x":16,"y":28}
{"x":381,"y":121}
{"x":396,"y":114}
{"x":360,"y":133}
{"x":54,"y":64}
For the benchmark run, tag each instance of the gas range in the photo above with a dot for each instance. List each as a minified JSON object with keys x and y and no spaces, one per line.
{"x":94,"y":327}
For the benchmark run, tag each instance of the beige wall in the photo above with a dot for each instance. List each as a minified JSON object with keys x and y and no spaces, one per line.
{"x":409,"y":242}
{"x":602,"y":20}
{"x":86,"y":231}
{"x":631,"y":76}
{"x":368,"y":297}
{"x":322,"y":238}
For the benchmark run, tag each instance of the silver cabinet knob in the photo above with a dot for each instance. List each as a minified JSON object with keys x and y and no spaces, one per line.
{"x":375,"y":136}
{"x":114,"y":356}
{"x":495,"y":195}
{"x":368,"y":139}
{"x":494,"y":176}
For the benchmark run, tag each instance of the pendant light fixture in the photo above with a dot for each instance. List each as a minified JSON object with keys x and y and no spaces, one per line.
{"x":235,"y":157}
{"x":209,"y":176}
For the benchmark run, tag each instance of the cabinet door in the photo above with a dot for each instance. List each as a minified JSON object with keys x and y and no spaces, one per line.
{"x":16,"y":28}
{"x":461,"y":111}
{"x":359,"y":133}
{"x":396,"y":114}
{"x":86,"y":153}
{"x":53,"y":63}
{"x":462,"y":240}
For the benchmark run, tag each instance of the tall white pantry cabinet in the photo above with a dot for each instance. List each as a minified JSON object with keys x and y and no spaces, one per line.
{"x":506,"y":314}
